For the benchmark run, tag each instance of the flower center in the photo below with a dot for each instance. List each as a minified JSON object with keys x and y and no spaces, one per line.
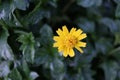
{"x":70,"y":41}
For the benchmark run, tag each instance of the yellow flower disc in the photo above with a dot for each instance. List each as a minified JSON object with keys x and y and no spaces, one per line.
{"x":66,"y":41}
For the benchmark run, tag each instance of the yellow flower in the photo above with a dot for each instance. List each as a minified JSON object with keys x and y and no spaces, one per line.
{"x":66,"y":41}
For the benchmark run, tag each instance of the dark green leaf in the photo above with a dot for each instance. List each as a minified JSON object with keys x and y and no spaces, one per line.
{"x":57,"y":69}
{"x":15,"y":75}
{"x":46,"y":36}
{"x":86,"y":25}
{"x":117,"y":38}
{"x":115,"y":53}
{"x":110,"y":24}
{"x":110,"y":69}
{"x":24,"y":69}
{"x":103,"y":45}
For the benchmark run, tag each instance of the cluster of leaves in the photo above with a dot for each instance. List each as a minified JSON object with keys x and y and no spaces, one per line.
{"x":26,"y":44}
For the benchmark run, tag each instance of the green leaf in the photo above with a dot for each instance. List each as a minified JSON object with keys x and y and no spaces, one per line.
{"x":115,"y":53}
{"x":110,"y":69}
{"x":117,"y":38}
{"x":5,"y":50}
{"x":86,"y":25}
{"x":46,"y":36}
{"x":36,"y":15}
{"x":118,"y":24}
{"x":85,"y":73}
{"x":57,"y":69}
{"x":4,"y":69}
{"x":103,"y":46}
{"x":15,"y":74}
{"x":89,"y":3}
{"x":24,"y":69}
{"x":117,"y":11}
{"x":110,"y":24}
{"x":21,"y":4}
{"x":33,"y":75}
{"x":6,"y":8}
{"x":27,"y":47}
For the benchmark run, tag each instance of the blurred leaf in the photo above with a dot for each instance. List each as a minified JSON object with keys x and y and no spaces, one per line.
{"x":6,"y":8}
{"x":89,"y":3}
{"x":117,"y":38}
{"x":118,"y":24}
{"x":110,"y":69}
{"x":116,"y":53}
{"x":57,"y":69}
{"x":4,"y":69}
{"x":103,"y":46}
{"x":117,"y":12}
{"x":33,"y":75}
{"x":110,"y":24}
{"x":117,"y":1}
{"x":86,"y":25}
{"x":46,"y":36}
{"x":15,"y":75}
{"x":5,"y":50}
{"x":36,"y":15}
{"x":85,"y":73}
{"x":24,"y":69}
{"x":21,"y":4}
{"x":27,"y":46}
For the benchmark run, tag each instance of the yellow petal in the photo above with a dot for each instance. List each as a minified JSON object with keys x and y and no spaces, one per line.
{"x":59,"y":32}
{"x":82,"y":36}
{"x":79,"y":49}
{"x":78,"y":32}
{"x":65,"y":30}
{"x":81,"y":44}
{"x":55,"y":45}
{"x":60,"y":48}
{"x":65,"y":54}
{"x":71,"y":53}
{"x":72,"y":30}
{"x":56,"y":38}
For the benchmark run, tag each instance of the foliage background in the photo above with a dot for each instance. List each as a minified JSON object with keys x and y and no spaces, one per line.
{"x":27,"y":28}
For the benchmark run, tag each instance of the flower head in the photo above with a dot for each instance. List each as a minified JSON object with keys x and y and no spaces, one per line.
{"x":66,"y":41}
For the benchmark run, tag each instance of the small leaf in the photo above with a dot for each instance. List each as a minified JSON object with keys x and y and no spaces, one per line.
{"x":4,"y":69}
{"x":117,"y":38}
{"x":27,"y":46}
{"x":15,"y":75}
{"x":33,"y":75}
